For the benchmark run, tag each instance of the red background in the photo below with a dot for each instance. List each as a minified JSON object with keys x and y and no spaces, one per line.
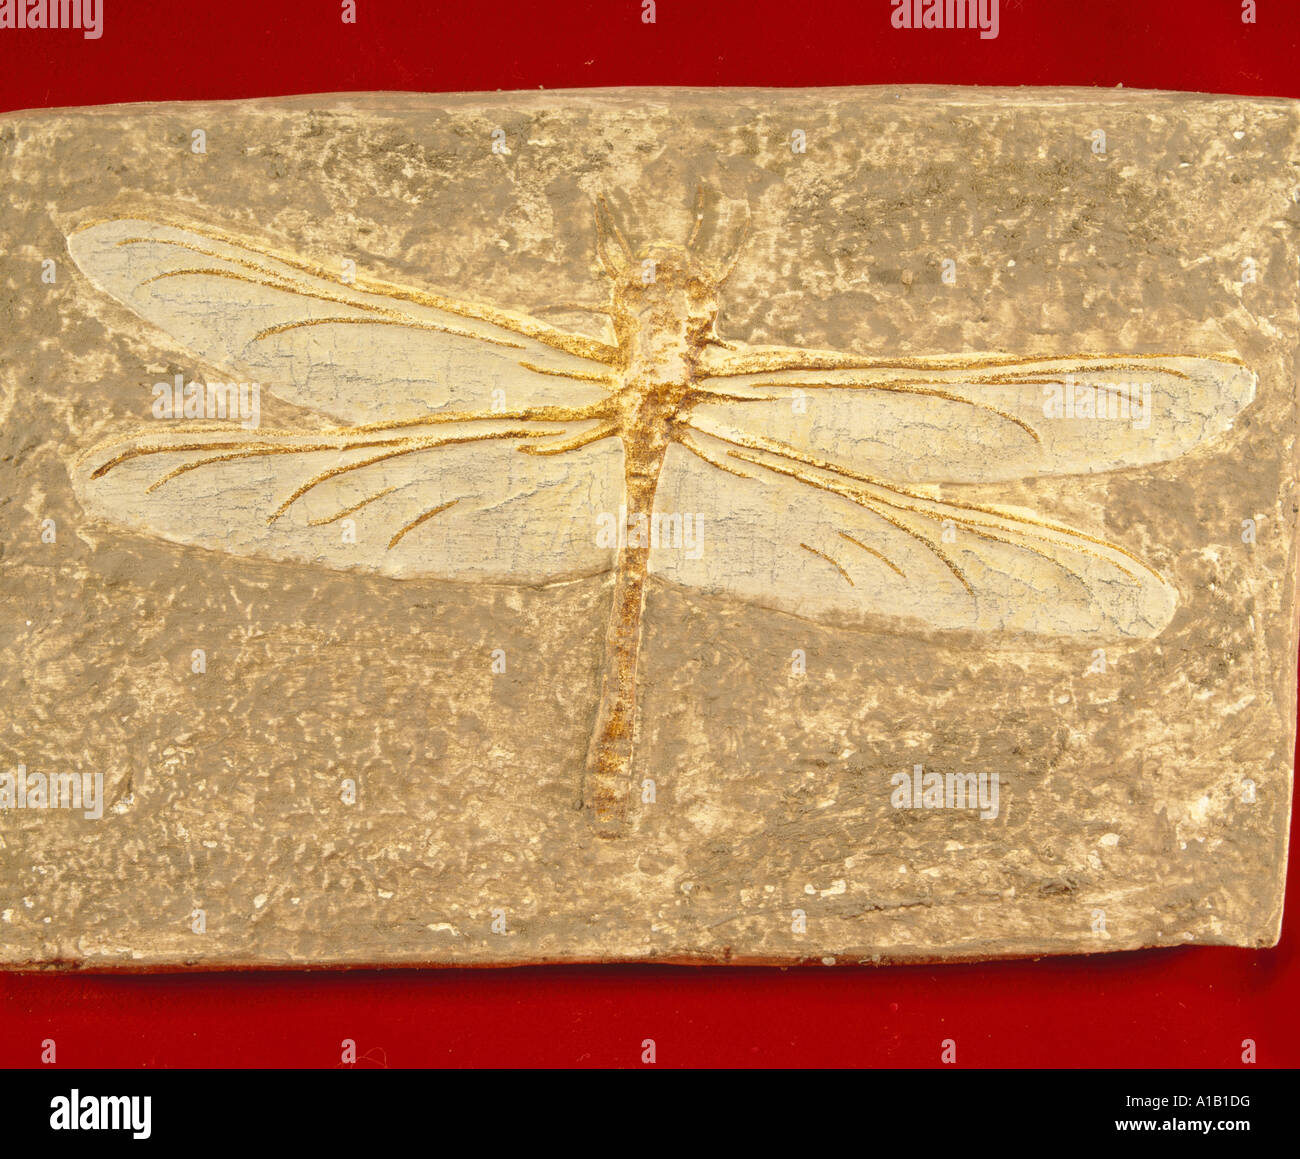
{"x":1188,"y":1007}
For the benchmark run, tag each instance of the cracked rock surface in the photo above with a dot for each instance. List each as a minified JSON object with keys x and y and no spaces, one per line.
{"x":1143,"y":781}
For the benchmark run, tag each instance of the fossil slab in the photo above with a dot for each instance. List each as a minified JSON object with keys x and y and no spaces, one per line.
{"x":835,"y":525}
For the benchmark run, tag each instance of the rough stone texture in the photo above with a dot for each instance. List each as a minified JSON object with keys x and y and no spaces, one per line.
{"x":1123,"y":791}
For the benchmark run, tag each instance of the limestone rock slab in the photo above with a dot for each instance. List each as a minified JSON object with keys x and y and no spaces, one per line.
{"x":846,"y":525}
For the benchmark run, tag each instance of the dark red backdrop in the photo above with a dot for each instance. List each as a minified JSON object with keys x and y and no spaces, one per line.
{"x":1172,"y":1008}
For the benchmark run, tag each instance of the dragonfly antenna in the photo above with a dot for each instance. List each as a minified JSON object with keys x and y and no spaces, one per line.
{"x":699,"y":216}
{"x":607,"y":230}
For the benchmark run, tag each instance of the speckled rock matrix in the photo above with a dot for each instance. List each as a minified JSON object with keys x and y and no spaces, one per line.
{"x":937,"y":662}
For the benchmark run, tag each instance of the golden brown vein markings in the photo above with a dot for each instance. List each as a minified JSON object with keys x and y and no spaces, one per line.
{"x":346,"y":469}
{"x":406,"y":323}
{"x":272,"y":281}
{"x":853,"y":496}
{"x":232,"y":450}
{"x":347,"y":437}
{"x":379,"y":316}
{"x":882,"y":507}
{"x":238,"y":450}
{"x":770,"y":361}
{"x":686,"y":437}
{"x":602,"y":430}
{"x":414,"y":446}
{"x":918,"y":388}
{"x":784,"y":450}
{"x":419,"y":519}
{"x":577,"y":345}
{"x":255,"y":453}
{"x":881,"y":512}
{"x":607,"y":379}
{"x":1020,"y":526}
{"x":928,"y":387}
{"x":532,"y":414}
{"x":242,"y":446}
{"x":352,"y":510}
{"x":969,"y":374}
{"x":848,"y":579}
{"x":880,"y":555}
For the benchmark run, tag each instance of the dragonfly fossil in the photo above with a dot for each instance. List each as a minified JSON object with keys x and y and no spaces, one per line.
{"x":471,"y":442}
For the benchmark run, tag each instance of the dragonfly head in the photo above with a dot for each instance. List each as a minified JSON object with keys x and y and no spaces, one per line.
{"x":666,"y":289}
{"x":668,"y":285}
{"x":663,"y":288}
